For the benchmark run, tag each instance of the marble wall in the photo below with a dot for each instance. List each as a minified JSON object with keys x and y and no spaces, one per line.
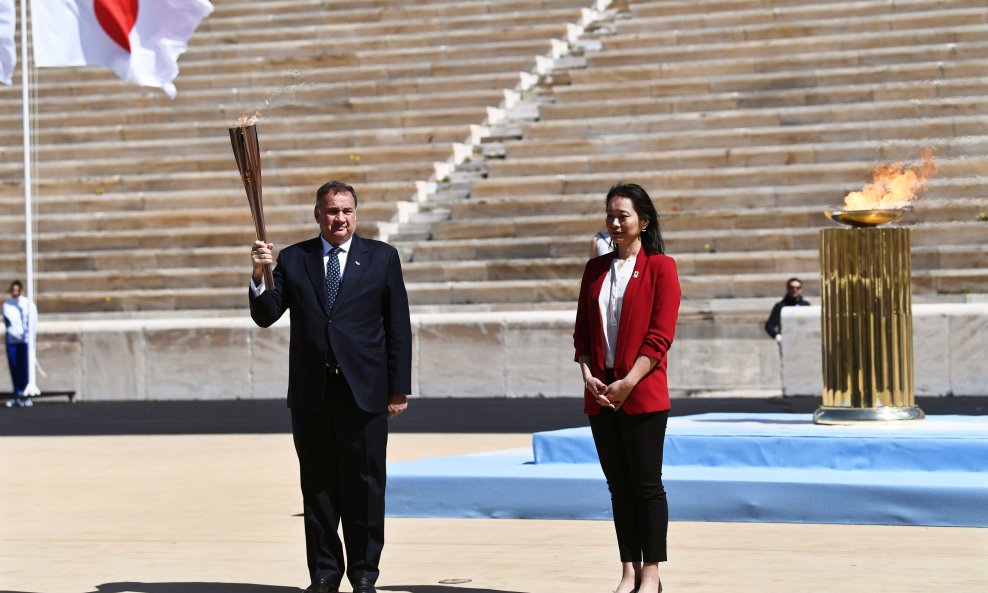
{"x":520,"y":354}
{"x":949,"y":345}
{"x":526,"y":354}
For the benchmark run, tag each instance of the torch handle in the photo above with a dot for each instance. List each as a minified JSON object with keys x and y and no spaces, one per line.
{"x":268,"y":277}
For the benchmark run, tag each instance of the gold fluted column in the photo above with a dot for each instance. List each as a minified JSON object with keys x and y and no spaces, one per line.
{"x":867,"y":335}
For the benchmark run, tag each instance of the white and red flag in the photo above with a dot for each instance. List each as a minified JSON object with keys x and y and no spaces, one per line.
{"x":140,"y":40}
{"x":8,"y":56}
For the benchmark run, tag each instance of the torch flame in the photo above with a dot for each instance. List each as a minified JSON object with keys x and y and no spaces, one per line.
{"x":249,"y":120}
{"x":892,"y":186}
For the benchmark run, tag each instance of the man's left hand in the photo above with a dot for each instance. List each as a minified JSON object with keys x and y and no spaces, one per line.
{"x":397,"y":403}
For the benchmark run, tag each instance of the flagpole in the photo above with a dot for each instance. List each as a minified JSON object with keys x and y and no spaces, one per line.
{"x":32,"y":388}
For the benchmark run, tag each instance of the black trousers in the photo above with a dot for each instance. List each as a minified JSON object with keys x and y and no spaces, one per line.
{"x":630,"y":450}
{"x":342,"y":461}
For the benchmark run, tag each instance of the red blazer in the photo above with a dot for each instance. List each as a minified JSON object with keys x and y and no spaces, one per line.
{"x":647,"y":327}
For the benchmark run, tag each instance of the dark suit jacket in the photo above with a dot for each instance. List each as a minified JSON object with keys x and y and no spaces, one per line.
{"x":368,"y":327}
{"x":646,"y":328}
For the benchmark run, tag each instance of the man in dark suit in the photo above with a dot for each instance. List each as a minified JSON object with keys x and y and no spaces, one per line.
{"x":349,"y":370}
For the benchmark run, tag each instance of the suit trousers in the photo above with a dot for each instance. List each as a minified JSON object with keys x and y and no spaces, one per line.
{"x":630,"y":450}
{"x":342,"y":462}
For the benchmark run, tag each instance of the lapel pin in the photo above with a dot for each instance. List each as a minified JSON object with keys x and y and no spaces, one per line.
{"x":635,"y":274}
{"x":356,"y":262}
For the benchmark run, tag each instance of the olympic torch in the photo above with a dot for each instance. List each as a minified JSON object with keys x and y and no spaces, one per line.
{"x":247,"y":152}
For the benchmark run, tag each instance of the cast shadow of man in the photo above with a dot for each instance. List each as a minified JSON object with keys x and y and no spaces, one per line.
{"x":189,"y":587}
{"x":186,"y":587}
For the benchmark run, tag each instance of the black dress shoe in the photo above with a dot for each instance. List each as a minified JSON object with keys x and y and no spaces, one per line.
{"x":323,"y":586}
{"x":364,"y":586}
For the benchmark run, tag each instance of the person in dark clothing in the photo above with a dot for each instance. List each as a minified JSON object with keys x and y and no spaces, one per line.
{"x":793,"y":298}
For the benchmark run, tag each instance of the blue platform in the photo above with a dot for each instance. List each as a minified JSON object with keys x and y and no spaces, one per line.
{"x":728,"y":467}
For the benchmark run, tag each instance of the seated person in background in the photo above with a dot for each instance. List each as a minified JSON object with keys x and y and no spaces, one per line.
{"x":793,"y":298}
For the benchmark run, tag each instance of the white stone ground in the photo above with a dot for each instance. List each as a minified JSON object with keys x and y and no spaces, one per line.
{"x":83,"y":514}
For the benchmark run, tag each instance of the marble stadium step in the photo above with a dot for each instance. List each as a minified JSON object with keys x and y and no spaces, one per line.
{"x":312,"y":54}
{"x":822,"y":61}
{"x":218,"y":124}
{"x":534,"y":23}
{"x":395,"y":20}
{"x":315,"y":67}
{"x":374,"y":201}
{"x":500,"y":248}
{"x":358,"y":176}
{"x":817,"y":197}
{"x":289,"y":74}
{"x":372,"y":17}
{"x":871,"y":150}
{"x":710,"y":241}
{"x":945,"y":16}
{"x":927,"y":210}
{"x":107,"y":93}
{"x":142,"y":300}
{"x":574,"y":87}
{"x":714,"y":63}
{"x":890,"y":130}
{"x":515,"y":267}
{"x":853,"y":174}
{"x":626,"y":49}
{"x":153,"y":238}
{"x":374,"y":197}
{"x":121,"y":260}
{"x":230,"y":112}
{"x":188,"y":133}
{"x":520,"y":293}
{"x":627,"y":105}
{"x":355,"y":142}
{"x":238,"y":9}
{"x":651,"y":16}
{"x":757,"y":118}
{"x":300,"y":215}
{"x":368,"y":51}
{"x":235,"y":258}
{"x":95,"y":162}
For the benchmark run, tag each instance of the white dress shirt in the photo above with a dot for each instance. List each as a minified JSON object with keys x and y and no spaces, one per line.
{"x":326,"y":248}
{"x":610,"y":301}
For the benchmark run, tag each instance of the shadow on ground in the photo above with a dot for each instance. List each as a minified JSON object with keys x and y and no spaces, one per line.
{"x":438,"y":589}
{"x":186,"y":587}
{"x":135,"y":587}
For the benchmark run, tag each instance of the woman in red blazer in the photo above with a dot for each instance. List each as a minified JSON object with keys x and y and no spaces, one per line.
{"x":625,"y":322}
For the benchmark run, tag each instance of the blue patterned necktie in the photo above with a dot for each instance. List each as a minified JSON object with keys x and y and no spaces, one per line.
{"x":332,"y":276}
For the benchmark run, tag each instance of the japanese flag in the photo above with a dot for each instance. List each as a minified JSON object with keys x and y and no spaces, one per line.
{"x":140,"y":40}
{"x":8,"y":57}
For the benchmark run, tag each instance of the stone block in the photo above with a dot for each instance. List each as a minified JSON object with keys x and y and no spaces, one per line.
{"x":198,"y":363}
{"x":968,"y":344}
{"x":949,"y":341}
{"x":269,"y":361}
{"x":113,"y":365}
{"x":60,"y":355}
{"x":802,"y":359}
{"x":931,"y":350}
{"x":460,"y":358}
{"x":710,"y":356}
{"x":539,"y":360}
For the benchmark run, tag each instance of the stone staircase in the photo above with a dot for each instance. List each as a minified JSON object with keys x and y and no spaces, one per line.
{"x":139,"y":204}
{"x":743,"y":118}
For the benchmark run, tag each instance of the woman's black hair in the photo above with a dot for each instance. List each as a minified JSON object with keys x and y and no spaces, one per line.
{"x":645,"y":209}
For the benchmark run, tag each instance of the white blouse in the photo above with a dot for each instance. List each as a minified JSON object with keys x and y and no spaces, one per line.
{"x":610,"y":302}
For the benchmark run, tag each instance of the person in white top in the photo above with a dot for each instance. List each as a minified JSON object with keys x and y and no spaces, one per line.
{"x":601,"y":244}
{"x":20,"y":317}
